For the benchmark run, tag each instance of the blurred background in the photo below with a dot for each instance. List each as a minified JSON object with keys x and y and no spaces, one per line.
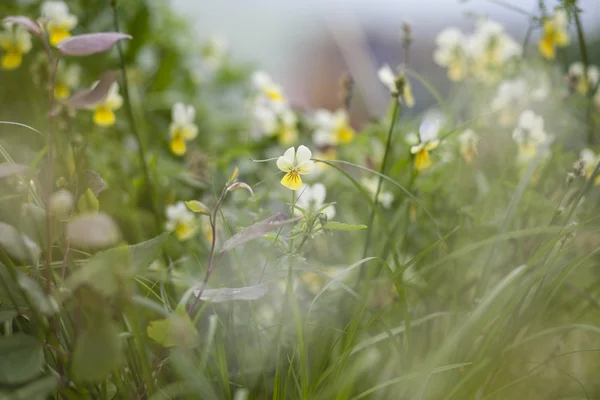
{"x":309,"y":44}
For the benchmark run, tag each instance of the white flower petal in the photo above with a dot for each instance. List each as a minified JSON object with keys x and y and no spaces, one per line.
{"x":305,"y":167}
{"x":303,"y":154}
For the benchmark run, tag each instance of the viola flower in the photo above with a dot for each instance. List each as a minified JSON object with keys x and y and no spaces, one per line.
{"x":14,"y":42}
{"x":214,"y":52}
{"x":452,"y":53}
{"x":384,"y":198}
{"x":58,"y":21}
{"x":181,"y":221}
{"x":581,"y":83}
{"x":295,"y":163}
{"x":428,"y":141}
{"x":104,"y":114}
{"x":282,"y":124}
{"x":182,"y":128}
{"x":468,"y":145}
{"x":392,"y":82}
{"x":312,"y":199}
{"x":529,"y":134}
{"x":555,"y":34}
{"x":590,"y":160}
{"x":265,"y":86}
{"x":332,"y":128}
{"x":67,"y":79}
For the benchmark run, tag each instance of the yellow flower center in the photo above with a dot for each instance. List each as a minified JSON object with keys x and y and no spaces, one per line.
{"x":274,"y":94}
{"x":61,"y":91}
{"x":57,"y":34}
{"x":104,"y":116}
{"x":422,"y":160}
{"x":183,"y":231}
{"x":178,"y":145}
{"x":292,"y":180}
{"x":344,"y":133}
{"x":12,"y":58}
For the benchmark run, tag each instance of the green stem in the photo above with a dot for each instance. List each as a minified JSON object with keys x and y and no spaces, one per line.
{"x":382,"y":169}
{"x":132,"y":125}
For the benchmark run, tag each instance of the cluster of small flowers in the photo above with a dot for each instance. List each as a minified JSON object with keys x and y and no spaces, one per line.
{"x":483,"y":55}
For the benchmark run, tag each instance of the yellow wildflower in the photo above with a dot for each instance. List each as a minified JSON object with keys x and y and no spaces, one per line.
{"x":104,"y":111}
{"x":295,"y":163}
{"x":555,"y":34}
{"x":182,"y":128}
{"x":14,"y":42}
{"x":58,"y":21}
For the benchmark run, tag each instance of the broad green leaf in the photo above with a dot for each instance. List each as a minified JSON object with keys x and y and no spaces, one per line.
{"x":44,"y":304}
{"x":16,"y":245}
{"x":142,"y":254}
{"x":36,"y":390}
{"x":33,"y":223}
{"x":21,"y":358}
{"x":88,"y":202}
{"x":175,"y":330}
{"x":340,"y":226}
{"x":98,"y":350}
{"x":197,"y":207}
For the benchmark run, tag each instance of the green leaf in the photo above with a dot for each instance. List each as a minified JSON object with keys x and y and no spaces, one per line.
{"x":142,"y":254}
{"x":21,"y":359}
{"x":88,"y":202}
{"x":37,"y":390}
{"x":7,"y":313}
{"x":175,"y":330}
{"x":16,"y":245}
{"x":97,"y":351}
{"x":44,"y":304}
{"x":197,"y":207}
{"x":257,"y":230}
{"x":340,"y":226}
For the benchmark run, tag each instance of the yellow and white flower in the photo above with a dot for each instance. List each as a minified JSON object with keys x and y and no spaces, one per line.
{"x":67,"y":80}
{"x":428,"y":141}
{"x":578,"y":80}
{"x":451,"y":53}
{"x":104,"y":112}
{"x":312,"y":199}
{"x":491,"y":48}
{"x":214,"y":52}
{"x":181,"y":221}
{"x":15,"y":41}
{"x":529,"y":135}
{"x":384,"y":198}
{"x":295,"y":163}
{"x":268,"y":90}
{"x":271,"y":123}
{"x":590,"y":160}
{"x":387,"y":76}
{"x":332,"y":128}
{"x":468,"y":145}
{"x":182,"y":128}
{"x":58,"y":21}
{"x":556,"y":34}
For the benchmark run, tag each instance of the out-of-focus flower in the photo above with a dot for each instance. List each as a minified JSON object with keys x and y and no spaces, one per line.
{"x":182,"y":128}
{"x":15,"y":41}
{"x":104,"y":112}
{"x":468,"y":145}
{"x":215,"y":51}
{"x":314,"y":282}
{"x":529,"y":134}
{"x":295,"y":163}
{"x":311,"y":199}
{"x":332,"y":128}
{"x":265,"y":86}
{"x":181,"y":221}
{"x":491,"y":48}
{"x":384,"y":198}
{"x":428,"y":141}
{"x":577,"y":79}
{"x":397,"y":85}
{"x":451,"y":53}
{"x":67,"y":80}
{"x":590,"y":160}
{"x":555,"y":34}
{"x":58,"y":21}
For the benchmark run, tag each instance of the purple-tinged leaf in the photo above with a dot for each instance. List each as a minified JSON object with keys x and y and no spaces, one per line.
{"x":26,"y":23}
{"x":257,"y":230}
{"x":90,"y":97}
{"x":241,"y":185}
{"x":91,"y":43}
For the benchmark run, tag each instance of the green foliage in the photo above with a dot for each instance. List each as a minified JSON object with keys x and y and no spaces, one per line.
{"x":22,"y":359}
{"x":98,"y":350}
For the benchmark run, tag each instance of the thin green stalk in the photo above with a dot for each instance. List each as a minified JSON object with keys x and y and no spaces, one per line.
{"x":130,"y":117}
{"x":388,"y":146}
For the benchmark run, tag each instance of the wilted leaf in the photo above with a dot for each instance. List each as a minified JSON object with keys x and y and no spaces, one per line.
{"x":241,"y":185}
{"x":11,"y":169}
{"x":234,"y":176}
{"x":94,"y":231}
{"x":88,"y":202}
{"x":97,"y":351}
{"x":197,"y":207}
{"x":94,"y":181}
{"x":21,"y":359}
{"x":256,"y":231}
{"x":340,"y":226}
{"x":175,"y":330}
{"x":91,"y":43}
{"x":25,"y":22}
{"x":36,"y":390}
{"x":16,"y":245}
{"x":233,"y":294}
{"x":95,"y":95}
{"x":142,"y":254}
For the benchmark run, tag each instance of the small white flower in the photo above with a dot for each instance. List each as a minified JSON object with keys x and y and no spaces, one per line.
{"x":295,"y":163}
{"x":468,"y":144}
{"x":312,"y":199}
{"x":576,"y":75}
{"x":268,"y":89}
{"x":182,"y":128}
{"x":428,"y":141}
{"x":58,"y":20}
{"x":332,"y":128}
{"x":181,"y":221}
{"x":384,"y":198}
{"x":388,"y":78}
{"x":104,"y":112}
{"x":15,"y":41}
{"x":529,"y":134}
{"x":452,"y":53}
{"x":590,"y":160}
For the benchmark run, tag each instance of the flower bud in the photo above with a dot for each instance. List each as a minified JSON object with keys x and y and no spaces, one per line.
{"x":61,"y":203}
